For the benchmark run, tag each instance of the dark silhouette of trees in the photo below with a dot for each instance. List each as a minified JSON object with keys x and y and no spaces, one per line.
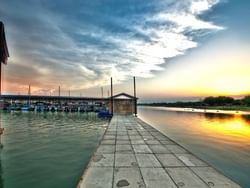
{"x":218,"y":101}
{"x":221,"y":101}
{"x":246,"y":100}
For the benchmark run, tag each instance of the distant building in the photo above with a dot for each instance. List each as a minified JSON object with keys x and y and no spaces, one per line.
{"x":123,"y":104}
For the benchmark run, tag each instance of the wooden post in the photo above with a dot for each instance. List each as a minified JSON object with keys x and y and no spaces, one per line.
{"x":135,"y":100}
{"x":0,"y":78}
{"x":111,"y":97}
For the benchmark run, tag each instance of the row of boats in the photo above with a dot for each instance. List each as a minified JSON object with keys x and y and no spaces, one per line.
{"x":99,"y":107}
{"x":50,"y":107}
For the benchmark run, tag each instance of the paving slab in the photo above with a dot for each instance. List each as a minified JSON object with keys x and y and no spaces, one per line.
{"x":119,"y":142}
{"x":176,"y":149}
{"x":141,"y":149}
{"x":159,"y":149}
{"x":184,"y":177}
{"x":125,"y":160}
{"x":152,"y":142}
{"x":191,"y":160}
{"x":135,"y":137}
{"x":128,"y":177}
{"x":169,"y":160}
{"x":137,"y":142}
{"x":122,"y":133}
{"x":110,"y":133}
{"x":106,"y":149}
{"x":109,"y":137}
{"x":148,"y":137}
{"x":133,"y":133}
{"x":144,"y":133}
{"x":213,"y":178}
{"x":97,"y":178}
{"x":124,"y":148}
{"x":108,"y":142}
{"x":102,"y":160}
{"x":167,"y":142}
{"x":122,"y":137}
{"x":147,"y":160}
{"x":157,"y":178}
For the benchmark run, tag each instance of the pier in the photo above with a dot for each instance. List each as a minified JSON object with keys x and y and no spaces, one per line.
{"x":134,"y":154}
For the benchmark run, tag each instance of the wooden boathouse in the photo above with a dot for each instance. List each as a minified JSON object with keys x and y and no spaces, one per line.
{"x":124,"y":104}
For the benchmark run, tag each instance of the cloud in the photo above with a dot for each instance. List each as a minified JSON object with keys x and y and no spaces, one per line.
{"x":81,"y":45}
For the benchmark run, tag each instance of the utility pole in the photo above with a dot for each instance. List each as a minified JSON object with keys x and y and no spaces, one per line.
{"x":111,"y":97}
{"x":0,"y":78}
{"x":135,"y":99}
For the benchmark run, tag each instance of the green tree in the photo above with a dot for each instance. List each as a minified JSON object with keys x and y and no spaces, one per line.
{"x":246,"y":100}
{"x":218,"y":101}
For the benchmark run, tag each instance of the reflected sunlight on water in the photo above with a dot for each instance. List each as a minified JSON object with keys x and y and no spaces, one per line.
{"x":223,"y":140}
{"x":227,"y":129}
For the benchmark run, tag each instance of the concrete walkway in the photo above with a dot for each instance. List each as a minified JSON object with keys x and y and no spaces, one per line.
{"x":134,"y":154}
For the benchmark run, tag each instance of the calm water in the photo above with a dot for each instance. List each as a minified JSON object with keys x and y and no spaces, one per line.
{"x":47,"y":149}
{"x":223,"y":140}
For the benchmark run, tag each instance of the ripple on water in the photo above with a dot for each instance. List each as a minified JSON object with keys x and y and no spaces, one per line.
{"x":39,"y":146}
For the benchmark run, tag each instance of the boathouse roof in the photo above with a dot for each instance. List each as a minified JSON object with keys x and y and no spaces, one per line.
{"x":4,"y":53}
{"x":123,"y":96}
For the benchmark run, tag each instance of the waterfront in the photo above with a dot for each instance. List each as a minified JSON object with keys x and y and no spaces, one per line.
{"x":47,"y":149}
{"x":220,"y":139}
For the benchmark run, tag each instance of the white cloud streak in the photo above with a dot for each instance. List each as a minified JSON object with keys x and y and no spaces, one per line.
{"x":152,"y":38}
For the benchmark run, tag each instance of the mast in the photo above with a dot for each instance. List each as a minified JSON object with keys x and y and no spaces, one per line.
{"x":29,"y":93}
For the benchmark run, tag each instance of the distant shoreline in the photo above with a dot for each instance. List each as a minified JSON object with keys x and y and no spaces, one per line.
{"x":232,"y":107}
{"x":209,"y":103}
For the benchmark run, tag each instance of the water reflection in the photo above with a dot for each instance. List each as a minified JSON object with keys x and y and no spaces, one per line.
{"x":233,"y":128}
{"x":1,"y":171}
{"x":222,"y":140}
{"x":217,"y":116}
{"x":38,"y":146}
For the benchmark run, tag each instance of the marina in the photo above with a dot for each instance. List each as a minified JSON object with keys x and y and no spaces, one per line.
{"x":63,"y":125}
{"x":134,"y":154}
{"x":119,"y":103}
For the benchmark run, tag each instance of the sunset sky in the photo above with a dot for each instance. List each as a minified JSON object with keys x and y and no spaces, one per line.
{"x":177,"y":50}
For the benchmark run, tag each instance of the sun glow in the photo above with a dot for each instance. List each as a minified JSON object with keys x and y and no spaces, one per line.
{"x":217,"y":72}
{"x":234,"y":126}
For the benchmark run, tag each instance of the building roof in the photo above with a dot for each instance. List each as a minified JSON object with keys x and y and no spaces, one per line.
{"x":123,"y":96}
{"x":4,"y":53}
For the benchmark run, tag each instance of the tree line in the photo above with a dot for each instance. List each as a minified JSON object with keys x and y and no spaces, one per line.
{"x":208,"y":101}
